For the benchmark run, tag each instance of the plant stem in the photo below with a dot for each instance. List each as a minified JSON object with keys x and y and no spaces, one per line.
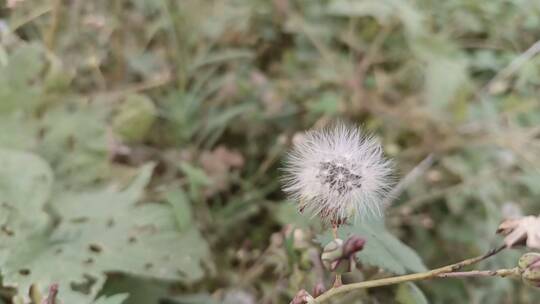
{"x":481,"y":273}
{"x":53,"y":28}
{"x":406,"y":278}
{"x":337,"y":281}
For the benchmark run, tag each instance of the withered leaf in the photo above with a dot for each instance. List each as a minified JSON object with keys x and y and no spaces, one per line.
{"x":521,"y":231}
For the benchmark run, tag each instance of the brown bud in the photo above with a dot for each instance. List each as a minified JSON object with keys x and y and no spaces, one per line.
{"x":352,"y":245}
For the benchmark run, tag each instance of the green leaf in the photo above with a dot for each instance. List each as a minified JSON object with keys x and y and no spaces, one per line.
{"x":141,"y":291}
{"x":196,"y":299}
{"x":88,"y":234}
{"x":74,"y":140}
{"x":445,"y":70}
{"x":382,"y":248}
{"x":23,"y":193}
{"x":16,"y":90}
{"x":409,"y":293}
{"x":181,"y":207}
{"x":287,"y":213}
{"x":328,"y":103}
{"x":116,"y":299}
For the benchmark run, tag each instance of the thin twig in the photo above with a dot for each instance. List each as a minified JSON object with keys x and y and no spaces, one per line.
{"x":506,"y":72}
{"x":413,"y":175}
{"x":50,"y":35}
{"x":406,"y":278}
{"x":35,"y":14}
{"x":135,"y":88}
{"x":337,"y":281}
{"x":514,"y":65}
{"x":481,"y":273}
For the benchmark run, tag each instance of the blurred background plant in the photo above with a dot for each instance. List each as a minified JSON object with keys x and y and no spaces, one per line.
{"x":141,"y":140}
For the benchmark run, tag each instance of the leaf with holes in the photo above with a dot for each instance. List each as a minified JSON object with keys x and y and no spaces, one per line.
{"x":87,"y":235}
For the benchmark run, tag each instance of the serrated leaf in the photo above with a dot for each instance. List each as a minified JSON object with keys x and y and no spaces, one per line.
{"x":409,"y":293}
{"x":382,"y":249}
{"x":90,"y":234}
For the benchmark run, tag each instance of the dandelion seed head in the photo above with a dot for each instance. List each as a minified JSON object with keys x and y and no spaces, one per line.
{"x":338,"y":173}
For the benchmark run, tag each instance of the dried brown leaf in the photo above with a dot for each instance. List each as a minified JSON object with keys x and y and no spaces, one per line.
{"x":521,"y":231}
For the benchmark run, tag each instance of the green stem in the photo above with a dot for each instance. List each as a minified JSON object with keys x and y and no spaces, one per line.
{"x":406,"y":278}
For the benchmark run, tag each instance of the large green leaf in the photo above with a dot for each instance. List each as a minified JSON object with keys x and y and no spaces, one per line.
{"x":382,"y":248}
{"x":74,"y":141}
{"x":409,"y":293}
{"x":17,"y":92}
{"x":89,"y":234}
{"x":116,"y":299}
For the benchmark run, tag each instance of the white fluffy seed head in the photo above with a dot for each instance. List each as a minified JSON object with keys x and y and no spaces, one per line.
{"x":338,"y":173}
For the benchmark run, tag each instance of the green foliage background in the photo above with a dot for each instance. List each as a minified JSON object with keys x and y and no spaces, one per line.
{"x":140,"y":142}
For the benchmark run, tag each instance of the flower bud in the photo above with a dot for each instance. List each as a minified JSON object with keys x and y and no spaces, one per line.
{"x":343,"y":265}
{"x":339,"y":256}
{"x":352,"y":245}
{"x":332,"y":253}
{"x":529,"y":265}
{"x":531,"y":276}
{"x":528,"y":259}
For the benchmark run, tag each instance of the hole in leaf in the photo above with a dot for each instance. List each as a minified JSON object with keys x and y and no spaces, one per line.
{"x":71,"y":142}
{"x":84,"y":286}
{"x":41,"y":132}
{"x":110,"y":223}
{"x":24,"y":271}
{"x":95,"y":248}
{"x":7,"y":230}
{"x":7,"y":206}
{"x":181,"y":273}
